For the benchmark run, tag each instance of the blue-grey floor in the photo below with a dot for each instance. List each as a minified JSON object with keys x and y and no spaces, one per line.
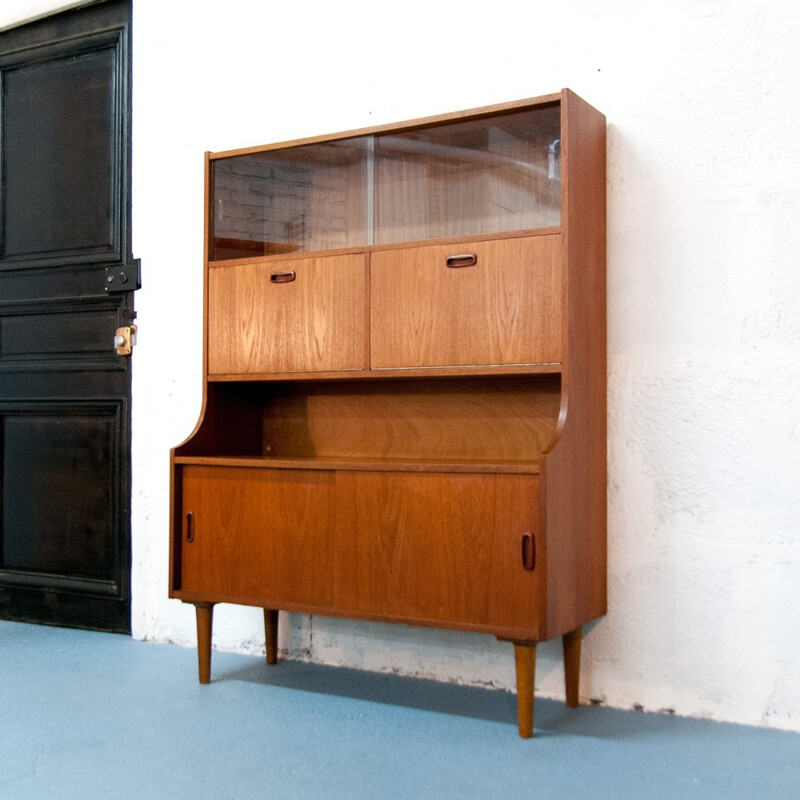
{"x":91,"y":715}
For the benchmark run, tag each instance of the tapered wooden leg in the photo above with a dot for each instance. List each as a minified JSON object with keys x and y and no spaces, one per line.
{"x":205,"y":616}
{"x":572,"y":666}
{"x":271,"y":634}
{"x":525,"y":659}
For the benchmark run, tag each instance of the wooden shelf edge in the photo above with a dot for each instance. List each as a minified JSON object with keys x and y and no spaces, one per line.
{"x":552,"y":368}
{"x":395,"y":127}
{"x":258,"y":258}
{"x":360,"y":464}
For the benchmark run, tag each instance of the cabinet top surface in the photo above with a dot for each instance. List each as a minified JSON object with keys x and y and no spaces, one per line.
{"x":406,"y":125}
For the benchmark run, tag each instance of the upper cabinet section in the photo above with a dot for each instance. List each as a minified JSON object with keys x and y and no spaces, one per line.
{"x":485,"y":174}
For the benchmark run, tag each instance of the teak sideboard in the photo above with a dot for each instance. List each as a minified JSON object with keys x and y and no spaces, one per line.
{"x":404,"y":413}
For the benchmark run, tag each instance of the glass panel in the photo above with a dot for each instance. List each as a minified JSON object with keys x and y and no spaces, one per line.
{"x":499,"y":173}
{"x":281,"y":201}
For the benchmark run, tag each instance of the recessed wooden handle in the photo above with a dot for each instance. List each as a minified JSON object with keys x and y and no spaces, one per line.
{"x":189,"y":526}
{"x":528,"y":551}
{"x":462,"y":260}
{"x":283,"y":277}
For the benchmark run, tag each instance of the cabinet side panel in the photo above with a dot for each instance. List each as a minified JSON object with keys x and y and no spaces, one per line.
{"x":574,"y":473}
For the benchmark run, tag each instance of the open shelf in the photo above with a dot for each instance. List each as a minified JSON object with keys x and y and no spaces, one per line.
{"x":463,"y":424}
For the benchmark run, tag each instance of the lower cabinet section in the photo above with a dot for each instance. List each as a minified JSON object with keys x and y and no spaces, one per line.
{"x":450,"y":549}
{"x":455,"y":550}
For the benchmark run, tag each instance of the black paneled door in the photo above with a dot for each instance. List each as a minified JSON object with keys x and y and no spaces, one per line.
{"x":66,"y":285}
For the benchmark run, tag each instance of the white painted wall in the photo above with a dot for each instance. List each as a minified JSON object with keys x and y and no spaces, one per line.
{"x":703,"y":104}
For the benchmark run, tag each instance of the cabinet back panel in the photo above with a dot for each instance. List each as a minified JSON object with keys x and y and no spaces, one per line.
{"x":505,"y":419}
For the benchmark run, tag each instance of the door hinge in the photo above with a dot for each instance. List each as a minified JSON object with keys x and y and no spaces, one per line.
{"x":127,"y":278}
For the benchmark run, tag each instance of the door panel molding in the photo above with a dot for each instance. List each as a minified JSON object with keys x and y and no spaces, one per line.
{"x":46,"y":581}
{"x":75,"y":451}
{"x":111,"y":233}
{"x":60,"y":335}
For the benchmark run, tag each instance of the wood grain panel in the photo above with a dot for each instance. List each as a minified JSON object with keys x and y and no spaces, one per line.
{"x":437,"y":547}
{"x":260,"y":536}
{"x":504,"y":420}
{"x":352,"y":464}
{"x":502,"y":310}
{"x":316,"y":322}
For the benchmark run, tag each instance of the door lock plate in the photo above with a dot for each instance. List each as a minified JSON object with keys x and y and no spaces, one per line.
{"x":124,"y":340}
{"x":127,"y":278}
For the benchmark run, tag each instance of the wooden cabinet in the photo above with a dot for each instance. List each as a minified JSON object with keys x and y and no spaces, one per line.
{"x":404,"y":407}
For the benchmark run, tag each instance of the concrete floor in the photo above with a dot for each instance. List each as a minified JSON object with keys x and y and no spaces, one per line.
{"x":92,"y":715}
